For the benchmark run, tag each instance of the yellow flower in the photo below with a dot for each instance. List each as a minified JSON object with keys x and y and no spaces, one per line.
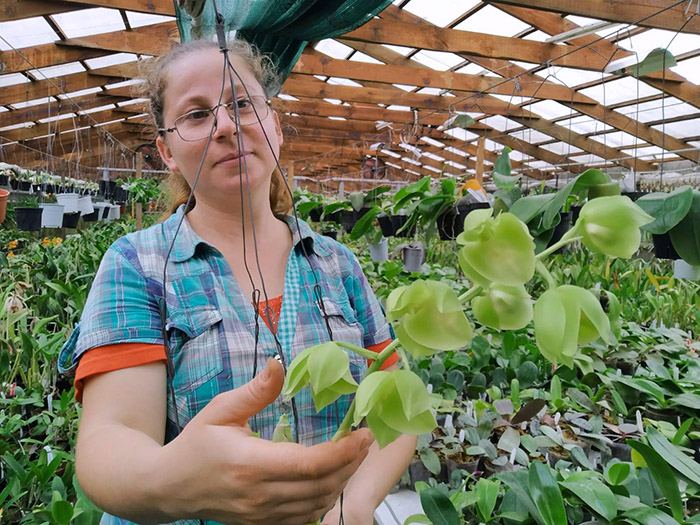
{"x":46,"y":242}
{"x":12,"y":245}
{"x":10,"y":254}
{"x":56,"y":241}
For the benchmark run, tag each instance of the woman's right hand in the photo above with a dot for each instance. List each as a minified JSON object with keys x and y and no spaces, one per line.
{"x":216,"y":469}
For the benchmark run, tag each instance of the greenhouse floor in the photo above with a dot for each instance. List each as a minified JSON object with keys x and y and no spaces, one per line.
{"x":397,"y":507}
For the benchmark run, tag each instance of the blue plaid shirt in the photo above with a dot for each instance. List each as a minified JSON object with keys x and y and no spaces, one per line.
{"x":211,"y":323}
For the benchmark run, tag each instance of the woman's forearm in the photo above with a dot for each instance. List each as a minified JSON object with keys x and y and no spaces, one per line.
{"x":379,"y":472}
{"x":120,"y":469}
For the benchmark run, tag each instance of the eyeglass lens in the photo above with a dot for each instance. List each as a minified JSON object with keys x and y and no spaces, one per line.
{"x":196,"y":125}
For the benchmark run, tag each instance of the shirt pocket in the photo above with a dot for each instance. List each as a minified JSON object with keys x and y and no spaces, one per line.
{"x":196,"y":346}
{"x":344,"y":327}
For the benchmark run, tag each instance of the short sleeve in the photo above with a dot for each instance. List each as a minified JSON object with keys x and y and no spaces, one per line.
{"x":122,"y":307}
{"x":368,"y":310}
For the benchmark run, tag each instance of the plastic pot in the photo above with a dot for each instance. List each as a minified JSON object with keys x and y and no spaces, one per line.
{"x":4,"y":180}
{"x":391,"y":224}
{"x":69,"y":201}
{"x":418,"y":472}
{"x":25,"y":185}
{"x":348,"y":220}
{"x":114,"y":212}
{"x":560,"y":229}
{"x":315,"y":215}
{"x":4,"y":194}
{"x":663,"y":248}
{"x":91,"y":217}
{"x":413,"y":256}
{"x":450,"y":223}
{"x":28,"y":219}
{"x":85,"y":205}
{"x":52,"y":216}
{"x":330,"y":233}
{"x":14,"y":184}
{"x":682,"y":270}
{"x":379,"y":252}
{"x":70,"y":220}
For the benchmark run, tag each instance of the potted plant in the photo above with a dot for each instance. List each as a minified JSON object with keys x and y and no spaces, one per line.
{"x":331,"y":217}
{"x":4,"y":195}
{"x":28,"y":214}
{"x":6,"y":173}
{"x":676,"y":226}
{"x":368,"y":228}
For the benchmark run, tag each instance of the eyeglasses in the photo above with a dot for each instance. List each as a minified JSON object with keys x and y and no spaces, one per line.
{"x":197,"y":124}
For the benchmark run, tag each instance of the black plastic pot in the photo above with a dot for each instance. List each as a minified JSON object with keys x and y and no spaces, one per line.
{"x":663,"y":248}
{"x":450,"y":223}
{"x":50,"y":188}
{"x":107,"y":188}
{"x":36,"y":187}
{"x":348,"y":220}
{"x":105,"y":212}
{"x":575,"y":212}
{"x":91,"y":217}
{"x":560,"y":229}
{"x":25,"y":185}
{"x":4,"y":179}
{"x":28,"y":219}
{"x":70,"y":220}
{"x":330,"y":233}
{"x":14,"y":184}
{"x":391,"y":224}
{"x":418,"y":472}
{"x":315,"y":214}
{"x":335,"y":217}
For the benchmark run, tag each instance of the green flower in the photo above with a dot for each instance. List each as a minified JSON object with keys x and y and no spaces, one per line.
{"x":431,"y":318}
{"x":610,"y":225}
{"x":503,"y":307}
{"x":566,"y":317}
{"x":394,"y":403}
{"x":327,"y":367}
{"x":497,"y":249}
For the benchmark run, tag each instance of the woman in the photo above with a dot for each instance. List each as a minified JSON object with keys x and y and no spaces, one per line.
{"x":151,"y":455}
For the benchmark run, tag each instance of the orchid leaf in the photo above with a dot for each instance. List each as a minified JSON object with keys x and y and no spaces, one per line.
{"x":668,"y":209}
{"x":593,"y":493}
{"x":546,"y":494}
{"x":685,"y":236}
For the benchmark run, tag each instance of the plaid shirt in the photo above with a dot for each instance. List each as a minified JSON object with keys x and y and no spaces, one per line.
{"x":211,"y":323}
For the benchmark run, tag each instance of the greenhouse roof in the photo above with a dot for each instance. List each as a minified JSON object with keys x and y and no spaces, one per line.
{"x":69,"y":67}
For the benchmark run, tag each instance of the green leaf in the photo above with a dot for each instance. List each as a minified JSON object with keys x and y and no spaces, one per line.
{"x":594,"y":494}
{"x":509,"y":440}
{"x":687,"y":400}
{"x":663,"y":475}
{"x":685,"y":236}
{"x":679,"y":461}
{"x":357,"y":200}
{"x":502,"y":164}
{"x":438,"y":507}
{"x":527,"y":374}
{"x":682,"y":431}
{"x":365,"y":224}
{"x":618,"y":473}
{"x":529,"y":207}
{"x":668,"y":209}
{"x":417,"y":518}
{"x":582,"y":182}
{"x":62,"y":512}
{"x":461,"y":120}
{"x":546,"y":494}
{"x":487,"y":494}
{"x":645,"y":515}
{"x":430,"y":460}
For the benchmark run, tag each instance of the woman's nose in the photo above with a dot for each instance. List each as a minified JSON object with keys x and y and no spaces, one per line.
{"x":225,"y":123}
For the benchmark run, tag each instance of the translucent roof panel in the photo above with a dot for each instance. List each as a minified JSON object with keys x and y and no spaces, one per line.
{"x":449,"y":10}
{"x":25,"y":33}
{"x":343,"y":82}
{"x":616,"y":139}
{"x":396,"y":107}
{"x":361,"y":57}
{"x":512,"y":100}
{"x":539,"y":165}
{"x":643,"y":43}
{"x":518,"y":156}
{"x":80,"y":93}
{"x":432,"y":142}
{"x":666,"y":108}
{"x":493,"y":21}
{"x":588,"y":158}
{"x":690,"y":69}
{"x":462,"y":134}
{"x":476,"y":69}
{"x":333,"y":48}
{"x":550,"y":109}
{"x":57,"y":117}
{"x":561,"y":148}
{"x":584,"y":125}
{"x":500,"y":123}
{"x":399,"y":49}
{"x":35,"y":102}
{"x":531,"y":135}
{"x":537,"y":36}
{"x":685,"y":128}
{"x":438,"y":60}
{"x":102,"y":20}
{"x":13,"y":79}
{"x":647,"y":152}
{"x":570,"y":76}
{"x":621,"y":90}
{"x":111,"y":60}
{"x":56,"y":71}
{"x":145,"y":19}
{"x":405,"y":87}
{"x":428,"y":91}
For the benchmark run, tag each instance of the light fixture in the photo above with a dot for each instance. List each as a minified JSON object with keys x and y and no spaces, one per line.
{"x":377,"y":146}
{"x":656,"y":60}
{"x":579,"y":32}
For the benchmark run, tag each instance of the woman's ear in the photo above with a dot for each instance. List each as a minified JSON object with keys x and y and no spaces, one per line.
{"x":166,"y":154}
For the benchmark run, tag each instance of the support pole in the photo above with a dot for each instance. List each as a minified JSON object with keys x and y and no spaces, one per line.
{"x":139,"y":206}
{"x":480,"y":150}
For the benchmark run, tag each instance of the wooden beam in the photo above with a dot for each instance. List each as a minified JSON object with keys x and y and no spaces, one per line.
{"x":481,"y":146}
{"x":53,"y":109}
{"x":646,"y":13}
{"x":19,"y":9}
{"x":52,"y":87}
{"x":152,"y":40}
{"x":436,"y":38}
{"x":43,"y":56}
{"x":422,"y":77}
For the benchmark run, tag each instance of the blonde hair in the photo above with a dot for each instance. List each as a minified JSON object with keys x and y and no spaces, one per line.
{"x":155,"y":73}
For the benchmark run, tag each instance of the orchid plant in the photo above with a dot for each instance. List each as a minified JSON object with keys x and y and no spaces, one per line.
{"x":498,"y":257}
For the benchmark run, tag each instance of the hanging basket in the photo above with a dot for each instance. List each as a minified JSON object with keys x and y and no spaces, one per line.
{"x":28,"y":219}
{"x":70,"y":220}
{"x":69,"y":201}
{"x":379,"y":252}
{"x":85,"y":205}
{"x":52,"y":216}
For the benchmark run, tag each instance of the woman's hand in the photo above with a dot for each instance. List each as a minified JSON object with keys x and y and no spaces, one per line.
{"x":215,"y":469}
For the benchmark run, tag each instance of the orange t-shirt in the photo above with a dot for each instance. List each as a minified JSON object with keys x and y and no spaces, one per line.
{"x":125,"y":355}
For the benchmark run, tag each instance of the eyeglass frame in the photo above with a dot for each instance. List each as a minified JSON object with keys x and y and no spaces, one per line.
{"x":212,"y":111}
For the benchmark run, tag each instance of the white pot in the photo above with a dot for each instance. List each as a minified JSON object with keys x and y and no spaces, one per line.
{"x":85,"y":205}
{"x":114,"y":212}
{"x":100,"y":207}
{"x":379,"y":252}
{"x":52,"y":216}
{"x":682,"y":270}
{"x":69,"y":201}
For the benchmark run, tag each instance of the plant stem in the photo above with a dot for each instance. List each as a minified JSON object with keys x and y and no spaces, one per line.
{"x":470,"y":294}
{"x":404,"y":358}
{"x":567,"y":238}
{"x":367,"y":354}
{"x":346,"y":424}
{"x":542,"y":269}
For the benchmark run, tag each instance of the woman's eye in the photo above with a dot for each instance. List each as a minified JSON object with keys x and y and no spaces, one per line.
{"x":243,"y":103}
{"x":197,"y":115}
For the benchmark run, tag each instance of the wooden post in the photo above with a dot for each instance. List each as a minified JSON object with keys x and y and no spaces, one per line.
{"x":139,"y":206}
{"x":480,"y":150}
{"x":290,"y":175}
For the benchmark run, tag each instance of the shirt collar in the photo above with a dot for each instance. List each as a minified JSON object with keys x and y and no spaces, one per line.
{"x":188,"y":240}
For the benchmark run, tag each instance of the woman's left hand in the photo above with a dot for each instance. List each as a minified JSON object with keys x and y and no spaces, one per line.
{"x":353,"y":514}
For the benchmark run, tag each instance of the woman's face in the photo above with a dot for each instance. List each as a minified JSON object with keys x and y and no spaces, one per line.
{"x":193,"y":82}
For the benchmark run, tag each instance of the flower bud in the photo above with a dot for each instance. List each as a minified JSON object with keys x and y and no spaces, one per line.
{"x":503,"y":307}
{"x":610,"y":225}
